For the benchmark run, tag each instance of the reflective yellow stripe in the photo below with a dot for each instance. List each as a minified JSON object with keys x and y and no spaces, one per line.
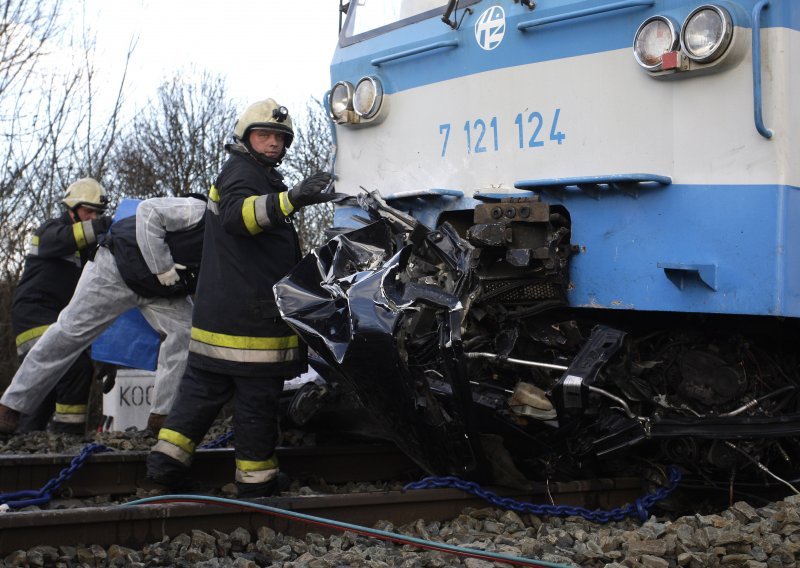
{"x":31,"y":334}
{"x":243,"y":342}
{"x":286,"y":205}
{"x":249,"y":215}
{"x":70,"y":408}
{"x":77,"y":232}
{"x":248,"y":471}
{"x":213,"y":194}
{"x":177,"y":439}
{"x":33,"y":246}
{"x":248,"y":465}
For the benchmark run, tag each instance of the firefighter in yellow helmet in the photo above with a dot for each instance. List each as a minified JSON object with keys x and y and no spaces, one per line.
{"x":240,"y":348}
{"x":56,"y":254}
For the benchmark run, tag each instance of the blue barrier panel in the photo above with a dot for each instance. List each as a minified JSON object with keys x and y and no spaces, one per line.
{"x":130,"y":341}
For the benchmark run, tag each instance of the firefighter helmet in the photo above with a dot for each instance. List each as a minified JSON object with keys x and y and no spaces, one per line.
{"x":86,"y":192}
{"x":267,"y":115}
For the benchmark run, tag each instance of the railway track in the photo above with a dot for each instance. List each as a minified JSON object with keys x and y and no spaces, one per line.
{"x":120,"y":473}
{"x":134,"y":526}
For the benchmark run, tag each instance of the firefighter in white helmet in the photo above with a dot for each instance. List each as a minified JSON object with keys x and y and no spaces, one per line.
{"x":57,"y":251}
{"x":241,"y":349}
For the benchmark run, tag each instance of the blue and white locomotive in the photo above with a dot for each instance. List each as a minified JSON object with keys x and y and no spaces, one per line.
{"x":570,"y":229}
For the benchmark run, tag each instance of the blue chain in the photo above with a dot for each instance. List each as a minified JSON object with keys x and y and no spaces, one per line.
{"x":639,"y":508}
{"x":20,"y":499}
{"x":221,"y":441}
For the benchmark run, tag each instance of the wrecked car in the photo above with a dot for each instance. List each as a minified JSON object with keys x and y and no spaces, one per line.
{"x":460,"y":344}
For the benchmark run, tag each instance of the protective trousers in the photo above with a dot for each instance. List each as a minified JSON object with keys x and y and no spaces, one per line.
{"x":256,"y":402}
{"x":101,"y":296}
{"x":68,"y":399}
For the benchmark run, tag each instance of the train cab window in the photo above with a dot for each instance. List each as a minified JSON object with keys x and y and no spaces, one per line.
{"x":365,"y":16}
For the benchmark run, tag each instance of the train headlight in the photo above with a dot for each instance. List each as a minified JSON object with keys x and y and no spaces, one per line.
{"x":368,"y":97}
{"x":341,"y":101}
{"x":655,"y":37}
{"x":706,"y":33}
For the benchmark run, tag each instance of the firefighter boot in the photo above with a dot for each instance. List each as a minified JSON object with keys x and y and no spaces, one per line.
{"x":9,"y":418}
{"x":169,"y":473}
{"x":72,"y":428}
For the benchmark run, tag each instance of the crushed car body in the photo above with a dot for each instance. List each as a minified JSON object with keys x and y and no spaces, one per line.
{"x":455,"y":337}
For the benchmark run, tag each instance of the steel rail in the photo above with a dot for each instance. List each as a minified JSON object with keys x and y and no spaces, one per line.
{"x":136,"y":526}
{"x":121,"y":473}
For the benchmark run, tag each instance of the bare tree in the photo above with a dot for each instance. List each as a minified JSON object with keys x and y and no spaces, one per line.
{"x":176,"y":145}
{"x":47,"y":137}
{"x":311,"y":152}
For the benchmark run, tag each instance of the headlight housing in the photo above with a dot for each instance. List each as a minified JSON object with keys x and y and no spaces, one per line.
{"x":340,"y":101}
{"x":368,"y":97}
{"x":706,"y":33}
{"x":655,"y":37}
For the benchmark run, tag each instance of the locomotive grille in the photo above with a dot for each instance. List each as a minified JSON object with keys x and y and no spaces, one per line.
{"x":505,"y":291}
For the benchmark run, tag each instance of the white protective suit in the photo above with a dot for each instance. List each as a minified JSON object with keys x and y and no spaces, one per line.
{"x":101,"y":296}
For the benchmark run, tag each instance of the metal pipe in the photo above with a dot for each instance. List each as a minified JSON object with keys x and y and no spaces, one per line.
{"x":478,"y":355}
{"x":615,"y":398}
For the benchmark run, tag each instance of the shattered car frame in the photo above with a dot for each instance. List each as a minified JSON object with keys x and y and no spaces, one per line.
{"x":458,"y":336}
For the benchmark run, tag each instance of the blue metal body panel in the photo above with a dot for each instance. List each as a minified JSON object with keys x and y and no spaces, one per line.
{"x":663,"y":241}
{"x":719,"y":249}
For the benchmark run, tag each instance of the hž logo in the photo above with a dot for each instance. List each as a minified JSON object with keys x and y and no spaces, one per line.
{"x":490,"y":28}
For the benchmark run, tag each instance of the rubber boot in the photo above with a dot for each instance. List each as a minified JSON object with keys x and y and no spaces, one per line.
{"x":169,"y":473}
{"x":72,"y":428}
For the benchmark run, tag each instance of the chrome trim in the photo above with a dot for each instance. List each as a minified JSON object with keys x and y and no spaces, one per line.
{"x":349,"y":89}
{"x":674,"y":32}
{"x":376,"y":103}
{"x":724,"y":41}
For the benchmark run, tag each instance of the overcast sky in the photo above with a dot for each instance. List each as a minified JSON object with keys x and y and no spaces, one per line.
{"x":264,"y":48}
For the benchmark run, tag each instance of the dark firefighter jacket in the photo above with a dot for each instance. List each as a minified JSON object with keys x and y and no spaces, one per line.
{"x":186,"y":247}
{"x":56,"y":254}
{"x":248,"y":247}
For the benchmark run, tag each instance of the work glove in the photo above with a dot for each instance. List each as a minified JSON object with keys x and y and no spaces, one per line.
{"x":170,"y":277}
{"x":102,"y":224}
{"x":106,"y":372}
{"x":309,"y":191}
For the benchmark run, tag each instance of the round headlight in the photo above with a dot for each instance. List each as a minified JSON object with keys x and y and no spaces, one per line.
{"x":706,"y":33}
{"x":368,"y":96}
{"x":655,"y":37}
{"x":341,"y":100}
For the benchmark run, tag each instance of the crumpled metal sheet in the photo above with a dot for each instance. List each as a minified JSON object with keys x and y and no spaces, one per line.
{"x":351,"y":299}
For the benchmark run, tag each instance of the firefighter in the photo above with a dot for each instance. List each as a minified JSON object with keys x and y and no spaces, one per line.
{"x":149,"y":260}
{"x":56,"y":254}
{"x":241,"y":350}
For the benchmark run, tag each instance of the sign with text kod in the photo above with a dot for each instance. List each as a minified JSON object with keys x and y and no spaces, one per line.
{"x":127,"y":405}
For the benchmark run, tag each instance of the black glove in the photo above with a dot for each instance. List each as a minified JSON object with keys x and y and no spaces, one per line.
{"x":106,"y":372}
{"x":101,"y":224}
{"x":309,"y":191}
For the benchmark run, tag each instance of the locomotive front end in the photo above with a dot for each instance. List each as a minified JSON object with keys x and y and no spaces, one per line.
{"x":569,"y":229}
